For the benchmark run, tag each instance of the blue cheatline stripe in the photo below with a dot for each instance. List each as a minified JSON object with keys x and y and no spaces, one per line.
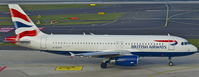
{"x":162,"y":54}
{"x":19,"y":24}
{"x":143,"y":54}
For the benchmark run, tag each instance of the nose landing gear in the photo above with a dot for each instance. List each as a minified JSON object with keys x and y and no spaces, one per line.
{"x":170,"y":62}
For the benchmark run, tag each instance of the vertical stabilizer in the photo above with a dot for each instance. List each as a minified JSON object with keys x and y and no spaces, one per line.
{"x":20,"y":19}
{"x":24,"y":26}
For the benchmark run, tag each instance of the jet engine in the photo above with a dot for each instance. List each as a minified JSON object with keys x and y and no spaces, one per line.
{"x":131,"y":60}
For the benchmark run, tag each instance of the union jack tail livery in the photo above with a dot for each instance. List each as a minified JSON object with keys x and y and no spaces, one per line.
{"x":21,"y":21}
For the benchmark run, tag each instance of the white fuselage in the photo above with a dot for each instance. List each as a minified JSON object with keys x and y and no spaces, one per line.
{"x":93,"y":43}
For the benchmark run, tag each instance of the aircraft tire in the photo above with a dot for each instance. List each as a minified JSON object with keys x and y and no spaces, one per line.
{"x":170,"y":63}
{"x":103,"y":65}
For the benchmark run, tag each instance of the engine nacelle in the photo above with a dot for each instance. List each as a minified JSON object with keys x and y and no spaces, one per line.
{"x":126,"y":60}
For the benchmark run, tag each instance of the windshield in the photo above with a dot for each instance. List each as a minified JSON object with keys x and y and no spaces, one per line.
{"x":185,"y":43}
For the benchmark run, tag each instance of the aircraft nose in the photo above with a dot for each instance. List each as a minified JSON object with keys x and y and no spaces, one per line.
{"x":194,"y":48}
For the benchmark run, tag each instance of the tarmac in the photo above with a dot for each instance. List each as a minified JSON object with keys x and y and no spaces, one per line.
{"x":26,"y":63}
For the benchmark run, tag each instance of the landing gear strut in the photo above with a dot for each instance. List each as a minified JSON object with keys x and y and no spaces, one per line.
{"x":170,"y":62}
{"x":105,"y":63}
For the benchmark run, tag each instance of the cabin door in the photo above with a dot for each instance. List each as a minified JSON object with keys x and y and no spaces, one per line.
{"x":171,"y":44}
{"x":43,"y":43}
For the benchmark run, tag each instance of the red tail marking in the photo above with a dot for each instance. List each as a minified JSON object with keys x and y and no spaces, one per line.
{"x":27,"y":33}
{"x":13,"y":39}
{"x":17,"y":14}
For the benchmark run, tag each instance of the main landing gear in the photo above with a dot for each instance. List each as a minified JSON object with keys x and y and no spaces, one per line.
{"x":170,"y":62}
{"x":104,"y":64}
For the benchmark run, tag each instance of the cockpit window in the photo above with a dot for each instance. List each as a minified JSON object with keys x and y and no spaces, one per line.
{"x":185,"y":43}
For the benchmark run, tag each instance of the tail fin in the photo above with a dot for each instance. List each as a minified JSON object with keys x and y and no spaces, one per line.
{"x":22,"y":23}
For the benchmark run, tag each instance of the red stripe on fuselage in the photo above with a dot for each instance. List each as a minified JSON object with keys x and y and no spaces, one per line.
{"x":165,"y":40}
{"x":17,"y":14}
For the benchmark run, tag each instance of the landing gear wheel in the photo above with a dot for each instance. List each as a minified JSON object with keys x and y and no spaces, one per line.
{"x":103,"y":65}
{"x":170,"y":63}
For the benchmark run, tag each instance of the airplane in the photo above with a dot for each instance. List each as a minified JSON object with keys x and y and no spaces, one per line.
{"x":121,"y":50}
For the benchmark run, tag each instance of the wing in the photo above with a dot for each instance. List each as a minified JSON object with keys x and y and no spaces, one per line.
{"x":106,"y":53}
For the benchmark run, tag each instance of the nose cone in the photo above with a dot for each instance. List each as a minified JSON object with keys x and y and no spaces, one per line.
{"x":194,"y":48}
